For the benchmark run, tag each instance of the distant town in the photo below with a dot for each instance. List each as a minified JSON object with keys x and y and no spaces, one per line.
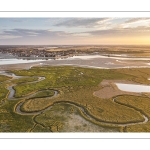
{"x":65,"y":51}
{"x":35,"y":53}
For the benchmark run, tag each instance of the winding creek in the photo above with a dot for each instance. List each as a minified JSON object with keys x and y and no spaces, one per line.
{"x":12,"y":91}
{"x":18,"y":107}
{"x":81,"y":108}
{"x":127,"y":124}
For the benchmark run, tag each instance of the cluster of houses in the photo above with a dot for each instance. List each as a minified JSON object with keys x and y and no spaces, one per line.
{"x":35,"y":53}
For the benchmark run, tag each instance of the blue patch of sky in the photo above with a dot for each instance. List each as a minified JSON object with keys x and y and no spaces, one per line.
{"x":38,"y":24}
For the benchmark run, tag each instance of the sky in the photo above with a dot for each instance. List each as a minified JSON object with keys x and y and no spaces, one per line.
{"x":75,"y":31}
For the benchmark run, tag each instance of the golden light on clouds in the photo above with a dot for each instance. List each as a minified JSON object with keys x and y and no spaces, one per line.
{"x":74,"y":31}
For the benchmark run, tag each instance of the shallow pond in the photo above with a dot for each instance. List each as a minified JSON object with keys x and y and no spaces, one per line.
{"x":133,"y":87}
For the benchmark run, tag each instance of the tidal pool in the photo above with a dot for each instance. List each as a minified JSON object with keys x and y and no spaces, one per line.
{"x":133,"y":87}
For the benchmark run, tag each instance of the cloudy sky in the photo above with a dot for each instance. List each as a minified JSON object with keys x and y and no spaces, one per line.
{"x":74,"y":31}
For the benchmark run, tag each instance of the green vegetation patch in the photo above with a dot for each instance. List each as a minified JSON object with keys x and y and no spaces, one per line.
{"x":139,"y":75}
{"x":103,"y":110}
{"x":80,"y":90}
{"x":45,"y":93}
{"x":58,"y":77}
{"x":76,"y":86}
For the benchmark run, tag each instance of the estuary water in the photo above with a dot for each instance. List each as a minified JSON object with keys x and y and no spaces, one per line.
{"x":121,"y":57}
{"x":92,"y":61}
{"x":16,"y":61}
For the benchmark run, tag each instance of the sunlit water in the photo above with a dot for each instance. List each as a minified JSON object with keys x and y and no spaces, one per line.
{"x":16,"y":61}
{"x":133,"y":87}
{"x":86,"y":57}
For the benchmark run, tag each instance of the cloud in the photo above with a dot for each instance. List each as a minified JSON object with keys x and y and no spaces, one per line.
{"x":133,"y":23}
{"x":82,"y":22}
{"x":34,"y":33}
{"x":81,"y":34}
{"x":133,"y":20}
{"x":4,"y":37}
{"x":49,"y":34}
{"x":138,"y":31}
{"x":22,"y":32}
{"x":16,"y":33}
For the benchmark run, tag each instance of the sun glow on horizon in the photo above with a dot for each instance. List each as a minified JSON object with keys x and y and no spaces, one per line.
{"x":74,"y":31}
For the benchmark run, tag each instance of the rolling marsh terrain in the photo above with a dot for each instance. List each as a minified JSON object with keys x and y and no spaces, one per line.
{"x":73,"y":99}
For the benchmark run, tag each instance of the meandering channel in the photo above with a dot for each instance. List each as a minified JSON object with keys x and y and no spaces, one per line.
{"x":18,"y":107}
{"x":143,"y":114}
{"x":81,"y":108}
{"x":12,"y":90}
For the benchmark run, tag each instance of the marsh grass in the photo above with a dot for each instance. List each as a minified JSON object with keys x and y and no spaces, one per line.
{"x":24,"y":80}
{"x":4,"y":78}
{"x":45,"y":93}
{"x":58,"y":77}
{"x":64,"y":117}
{"x":39,"y":128}
{"x":139,"y":75}
{"x":141,"y":103}
{"x":75,"y":85}
{"x":79,"y":88}
{"x":104,"y":110}
{"x":3,"y":93}
{"x":13,"y":121}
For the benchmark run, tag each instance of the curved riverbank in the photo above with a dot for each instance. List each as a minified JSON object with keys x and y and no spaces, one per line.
{"x":136,"y":109}
{"x":18,"y":107}
{"x":12,"y":90}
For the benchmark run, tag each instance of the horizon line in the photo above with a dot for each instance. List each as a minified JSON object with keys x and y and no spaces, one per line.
{"x":75,"y":45}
